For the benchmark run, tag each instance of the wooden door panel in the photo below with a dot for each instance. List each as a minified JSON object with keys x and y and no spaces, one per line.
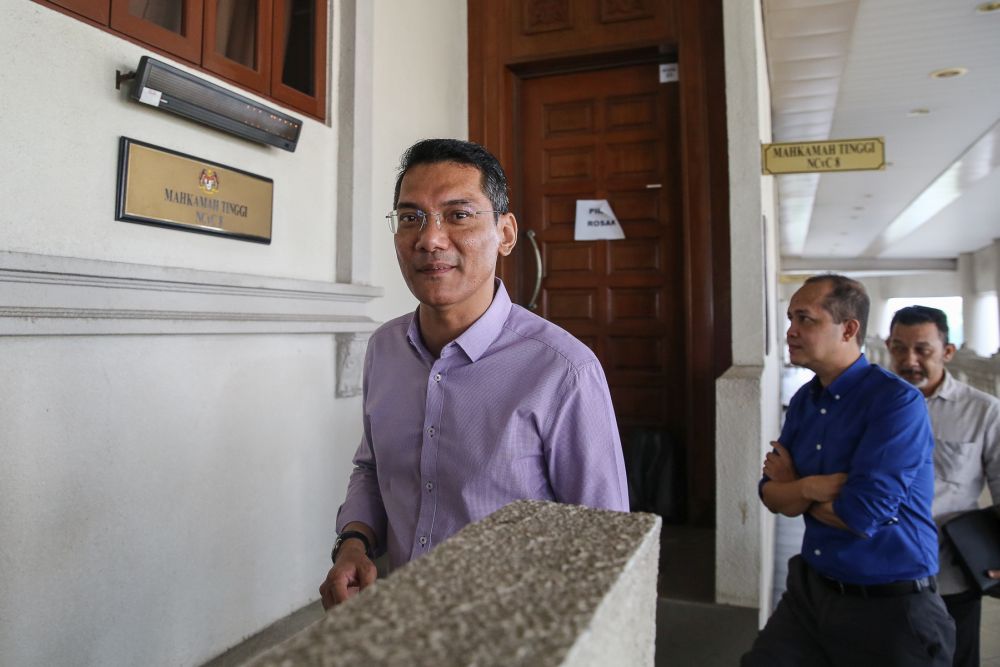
{"x":636,"y":303}
{"x":632,"y":112}
{"x":634,"y":160}
{"x":566,"y":305}
{"x":605,"y":135}
{"x":636,"y":353}
{"x":569,"y":258}
{"x":634,"y":255}
{"x":569,"y":164}
{"x":568,"y":118}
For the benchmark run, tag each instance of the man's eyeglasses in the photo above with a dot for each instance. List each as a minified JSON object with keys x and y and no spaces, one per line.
{"x":409,"y":220}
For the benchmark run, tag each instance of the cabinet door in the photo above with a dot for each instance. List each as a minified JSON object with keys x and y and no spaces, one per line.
{"x":298,"y":55}
{"x":171,"y":25}
{"x":237,"y":41}
{"x":95,"y":10}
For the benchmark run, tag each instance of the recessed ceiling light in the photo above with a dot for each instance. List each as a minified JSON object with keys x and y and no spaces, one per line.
{"x":948,"y":72}
{"x":988,"y":7}
{"x":914,"y":113}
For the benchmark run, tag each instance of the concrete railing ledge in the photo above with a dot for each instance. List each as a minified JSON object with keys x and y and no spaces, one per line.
{"x":535,"y":583}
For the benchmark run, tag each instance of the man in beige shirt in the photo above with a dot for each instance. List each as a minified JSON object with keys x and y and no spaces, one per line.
{"x":966,"y":425}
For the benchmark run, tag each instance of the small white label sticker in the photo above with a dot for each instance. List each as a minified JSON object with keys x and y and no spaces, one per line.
{"x":150,"y":97}
{"x":668,"y":72}
{"x":595,"y":220}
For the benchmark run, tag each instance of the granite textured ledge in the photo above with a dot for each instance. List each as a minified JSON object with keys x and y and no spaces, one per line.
{"x":535,"y":583}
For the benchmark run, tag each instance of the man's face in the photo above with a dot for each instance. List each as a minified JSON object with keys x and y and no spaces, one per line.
{"x":919,"y":354}
{"x":813,"y":338}
{"x":450,"y":269}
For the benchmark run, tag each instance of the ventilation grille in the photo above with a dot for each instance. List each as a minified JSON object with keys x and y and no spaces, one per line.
{"x":208,"y":103}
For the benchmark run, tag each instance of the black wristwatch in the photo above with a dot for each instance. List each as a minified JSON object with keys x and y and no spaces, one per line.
{"x":352,"y":534}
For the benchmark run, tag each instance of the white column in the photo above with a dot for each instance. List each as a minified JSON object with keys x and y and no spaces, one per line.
{"x":878,"y":315}
{"x":970,"y":300}
{"x":995,"y":325}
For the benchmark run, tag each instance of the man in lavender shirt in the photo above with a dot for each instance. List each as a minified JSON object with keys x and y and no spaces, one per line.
{"x":470,"y":402}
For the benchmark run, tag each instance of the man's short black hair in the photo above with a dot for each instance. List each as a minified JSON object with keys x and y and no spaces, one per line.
{"x":431,"y":151}
{"x":912,"y":315}
{"x":847,"y":300}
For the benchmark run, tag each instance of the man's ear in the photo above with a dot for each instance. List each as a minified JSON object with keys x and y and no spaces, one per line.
{"x":851,"y":328}
{"x":949,"y":351}
{"x":508,"y":233}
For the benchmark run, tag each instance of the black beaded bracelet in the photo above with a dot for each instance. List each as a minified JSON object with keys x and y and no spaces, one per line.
{"x":352,"y":534}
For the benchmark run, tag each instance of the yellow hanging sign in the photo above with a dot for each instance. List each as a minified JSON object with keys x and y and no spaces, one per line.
{"x":805,"y":157}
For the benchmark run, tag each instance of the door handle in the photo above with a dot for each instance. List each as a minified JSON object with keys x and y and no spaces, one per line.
{"x":533,"y":301}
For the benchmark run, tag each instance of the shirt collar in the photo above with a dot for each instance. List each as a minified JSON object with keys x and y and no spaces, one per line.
{"x":947,"y":389}
{"x":846,"y":381}
{"x":475,"y":340}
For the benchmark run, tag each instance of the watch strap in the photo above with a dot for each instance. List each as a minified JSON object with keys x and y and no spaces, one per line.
{"x":352,"y":534}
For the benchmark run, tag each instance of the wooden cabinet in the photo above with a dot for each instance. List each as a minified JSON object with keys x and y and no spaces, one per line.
{"x":275,"y":48}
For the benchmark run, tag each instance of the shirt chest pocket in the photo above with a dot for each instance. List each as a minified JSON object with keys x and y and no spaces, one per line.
{"x":955,"y":460}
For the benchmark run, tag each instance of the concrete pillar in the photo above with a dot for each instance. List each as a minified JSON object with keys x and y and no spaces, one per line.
{"x":535,"y":583}
{"x":878,"y":315}
{"x":970,"y":299}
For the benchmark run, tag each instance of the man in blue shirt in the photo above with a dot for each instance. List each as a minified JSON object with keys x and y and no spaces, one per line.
{"x":855,"y":460}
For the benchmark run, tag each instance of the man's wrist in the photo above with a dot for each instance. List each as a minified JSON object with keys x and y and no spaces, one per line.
{"x":352,"y":540}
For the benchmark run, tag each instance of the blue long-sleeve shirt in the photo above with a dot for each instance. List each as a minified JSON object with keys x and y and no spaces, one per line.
{"x":873,"y":426}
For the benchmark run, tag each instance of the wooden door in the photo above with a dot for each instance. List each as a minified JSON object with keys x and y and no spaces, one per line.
{"x":578,"y":50}
{"x":609,"y":134}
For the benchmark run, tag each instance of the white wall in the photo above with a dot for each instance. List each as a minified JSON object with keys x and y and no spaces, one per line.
{"x":747,"y":402}
{"x":432,"y":36}
{"x":169,"y":477}
{"x":62,"y":118}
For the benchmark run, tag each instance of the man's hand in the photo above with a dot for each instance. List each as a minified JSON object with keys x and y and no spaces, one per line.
{"x":353,"y":572}
{"x":823,"y":488}
{"x":824,"y":513}
{"x":993,"y":574}
{"x":778,"y":465}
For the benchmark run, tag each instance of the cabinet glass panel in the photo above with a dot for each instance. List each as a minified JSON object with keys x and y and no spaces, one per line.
{"x":298,"y":47}
{"x":236,"y":31}
{"x":168,"y":14}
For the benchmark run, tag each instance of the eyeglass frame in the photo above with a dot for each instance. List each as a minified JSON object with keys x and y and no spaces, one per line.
{"x":427,"y":214}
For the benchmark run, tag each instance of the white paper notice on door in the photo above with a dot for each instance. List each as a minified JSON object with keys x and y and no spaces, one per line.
{"x":595,"y":220}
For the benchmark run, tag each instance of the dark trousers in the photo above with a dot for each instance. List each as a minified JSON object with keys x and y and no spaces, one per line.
{"x":816,"y":625}
{"x":966,"y":608}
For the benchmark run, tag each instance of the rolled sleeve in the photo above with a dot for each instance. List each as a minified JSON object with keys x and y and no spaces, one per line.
{"x":582,"y":447}
{"x":894,"y":447}
{"x":364,"y":498}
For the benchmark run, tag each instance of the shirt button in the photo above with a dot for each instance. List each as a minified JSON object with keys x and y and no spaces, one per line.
{"x":430,"y":486}
{"x":817,"y":551}
{"x":819,"y":446}
{"x":822,"y":411}
{"x":431,"y":431}
{"x":423,"y":540}
{"x":836,"y":397}
{"x":437,"y":378}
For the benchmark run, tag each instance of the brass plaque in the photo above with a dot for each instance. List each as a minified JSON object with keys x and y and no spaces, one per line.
{"x":804,"y":157}
{"x":158,"y":186}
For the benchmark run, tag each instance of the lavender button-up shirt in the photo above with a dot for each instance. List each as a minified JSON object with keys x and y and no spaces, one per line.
{"x":513,"y":408}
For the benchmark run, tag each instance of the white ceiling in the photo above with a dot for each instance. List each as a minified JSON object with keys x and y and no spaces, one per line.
{"x":856,"y":68}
